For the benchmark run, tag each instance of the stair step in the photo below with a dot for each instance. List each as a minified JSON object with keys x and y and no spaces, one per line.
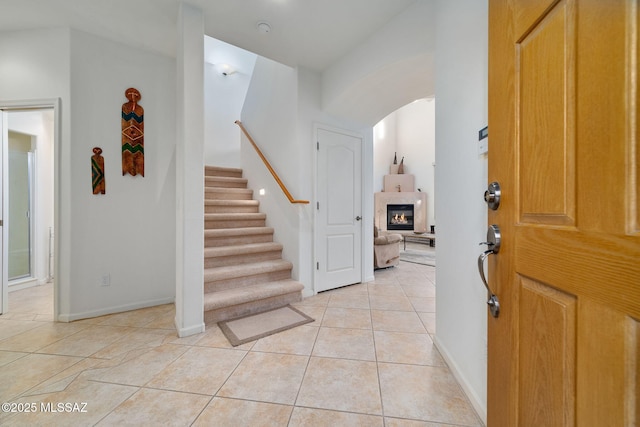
{"x":234,"y":303}
{"x":244,"y":272}
{"x":220,"y":171}
{"x":231,"y":206}
{"x":225,"y":182}
{"x":237,"y":236}
{"x":239,"y":276}
{"x":234,"y":220}
{"x":217,"y":193}
{"x":223,"y":256}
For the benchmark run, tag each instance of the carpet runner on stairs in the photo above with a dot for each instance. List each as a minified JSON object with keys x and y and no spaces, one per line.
{"x":244,"y":270}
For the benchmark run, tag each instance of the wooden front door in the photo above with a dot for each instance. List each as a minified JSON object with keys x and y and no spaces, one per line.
{"x":563,"y":107}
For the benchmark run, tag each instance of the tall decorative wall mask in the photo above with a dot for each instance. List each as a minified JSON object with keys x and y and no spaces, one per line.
{"x":132,"y":134}
{"x":97,"y":171}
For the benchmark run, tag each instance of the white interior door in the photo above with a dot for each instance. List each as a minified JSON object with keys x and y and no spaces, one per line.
{"x":338,"y":209}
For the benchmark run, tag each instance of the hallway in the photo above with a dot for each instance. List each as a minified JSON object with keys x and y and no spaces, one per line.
{"x":368,"y":359}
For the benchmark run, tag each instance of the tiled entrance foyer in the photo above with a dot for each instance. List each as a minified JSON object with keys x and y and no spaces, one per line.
{"x":367,"y":360}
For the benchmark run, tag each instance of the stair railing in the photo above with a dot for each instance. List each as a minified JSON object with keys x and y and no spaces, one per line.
{"x":268,"y":165}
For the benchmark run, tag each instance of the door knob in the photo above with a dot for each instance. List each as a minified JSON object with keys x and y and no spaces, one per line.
{"x":358,"y":218}
{"x":493,"y":242}
{"x":492,"y":196}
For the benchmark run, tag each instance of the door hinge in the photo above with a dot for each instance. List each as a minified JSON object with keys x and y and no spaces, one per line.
{"x":318,"y":205}
{"x":318,"y":145}
{"x":317,"y":266}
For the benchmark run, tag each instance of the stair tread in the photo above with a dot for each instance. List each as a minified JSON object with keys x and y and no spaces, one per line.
{"x":252,"y":269}
{"x":250,"y":248}
{"x":227,"y":189}
{"x":234,"y":215}
{"x":230,"y":297}
{"x":222,"y":169}
{"x":228,"y":232}
{"x":223,"y":202}
{"x":224,"y":178}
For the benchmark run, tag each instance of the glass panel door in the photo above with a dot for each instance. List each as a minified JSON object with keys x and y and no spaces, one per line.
{"x":19,"y":254}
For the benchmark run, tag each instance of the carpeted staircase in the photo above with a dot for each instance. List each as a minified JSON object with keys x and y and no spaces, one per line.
{"x":244,"y":272}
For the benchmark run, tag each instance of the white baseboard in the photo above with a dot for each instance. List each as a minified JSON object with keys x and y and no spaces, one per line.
{"x":478,"y":405}
{"x":192,"y":330}
{"x":20,"y":284}
{"x":70,"y":317}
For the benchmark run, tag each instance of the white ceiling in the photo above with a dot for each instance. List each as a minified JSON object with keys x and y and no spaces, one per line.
{"x":309,"y":33}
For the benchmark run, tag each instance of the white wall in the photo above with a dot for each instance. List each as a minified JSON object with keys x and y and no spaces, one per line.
{"x":34,"y":65}
{"x":385,"y":147}
{"x":390,"y":69}
{"x":128,"y":233}
{"x":461,"y":178}
{"x":270,"y":116}
{"x":189,"y":175}
{"x":311,"y":115}
{"x":281,"y":109}
{"x":224,"y":97}
{"x":409,"y":132}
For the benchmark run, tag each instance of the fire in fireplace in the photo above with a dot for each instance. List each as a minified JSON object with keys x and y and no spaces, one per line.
{"x":400,"y":217}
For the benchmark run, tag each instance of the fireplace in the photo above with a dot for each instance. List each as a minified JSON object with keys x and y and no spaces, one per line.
{"x":400,"y":217}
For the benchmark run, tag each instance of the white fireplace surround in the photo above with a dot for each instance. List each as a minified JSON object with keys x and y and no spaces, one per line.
{"x":417,"y":199}
{"x":399,"y":189}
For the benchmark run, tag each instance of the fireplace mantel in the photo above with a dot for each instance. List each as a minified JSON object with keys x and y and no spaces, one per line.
{"x":418,"y":199}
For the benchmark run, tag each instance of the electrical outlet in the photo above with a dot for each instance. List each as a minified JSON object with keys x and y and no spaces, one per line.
{"x":105,"y":280}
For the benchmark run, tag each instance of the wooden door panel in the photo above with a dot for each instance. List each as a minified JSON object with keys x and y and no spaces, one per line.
{"x":546,"y":131}
{"x":632,"y":385}
{"x":597,"y":266}
{"x":604,"y":113}
{"x":633,"y":167}
{"x":547,"y":355}
{"x":528,"y":13}
{"x":563,"y":113}
{"x":603,"y":342}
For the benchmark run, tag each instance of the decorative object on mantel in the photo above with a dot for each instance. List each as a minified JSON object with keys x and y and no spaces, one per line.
{"x":401,"y":166}
{"x":132,"y":134}
{"x":393,"y":168}
{"x":97,"y":171}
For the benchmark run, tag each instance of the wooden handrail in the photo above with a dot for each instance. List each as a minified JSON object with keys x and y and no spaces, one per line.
{"x":268,"y":165}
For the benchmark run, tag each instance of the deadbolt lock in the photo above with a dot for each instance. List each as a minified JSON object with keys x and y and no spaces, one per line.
{"x":492,"y":196}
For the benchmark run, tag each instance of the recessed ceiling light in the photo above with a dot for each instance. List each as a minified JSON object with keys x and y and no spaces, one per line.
{"x":263,"y":27}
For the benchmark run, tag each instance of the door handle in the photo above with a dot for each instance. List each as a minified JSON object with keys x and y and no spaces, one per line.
{"x":358,"y":218}
{"x":493,"y":242}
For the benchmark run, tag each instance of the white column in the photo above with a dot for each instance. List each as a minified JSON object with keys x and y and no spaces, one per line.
{"x":190,"y":172}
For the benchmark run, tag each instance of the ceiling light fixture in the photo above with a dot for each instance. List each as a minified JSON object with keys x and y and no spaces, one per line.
{"x":225,"y":69}
{"x":263,"y":27}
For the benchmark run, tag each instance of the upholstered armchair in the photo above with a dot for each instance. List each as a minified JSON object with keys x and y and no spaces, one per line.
{"x":386,"y":249}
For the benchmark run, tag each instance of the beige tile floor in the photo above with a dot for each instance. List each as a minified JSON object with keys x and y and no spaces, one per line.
{"x":367,"y":360}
